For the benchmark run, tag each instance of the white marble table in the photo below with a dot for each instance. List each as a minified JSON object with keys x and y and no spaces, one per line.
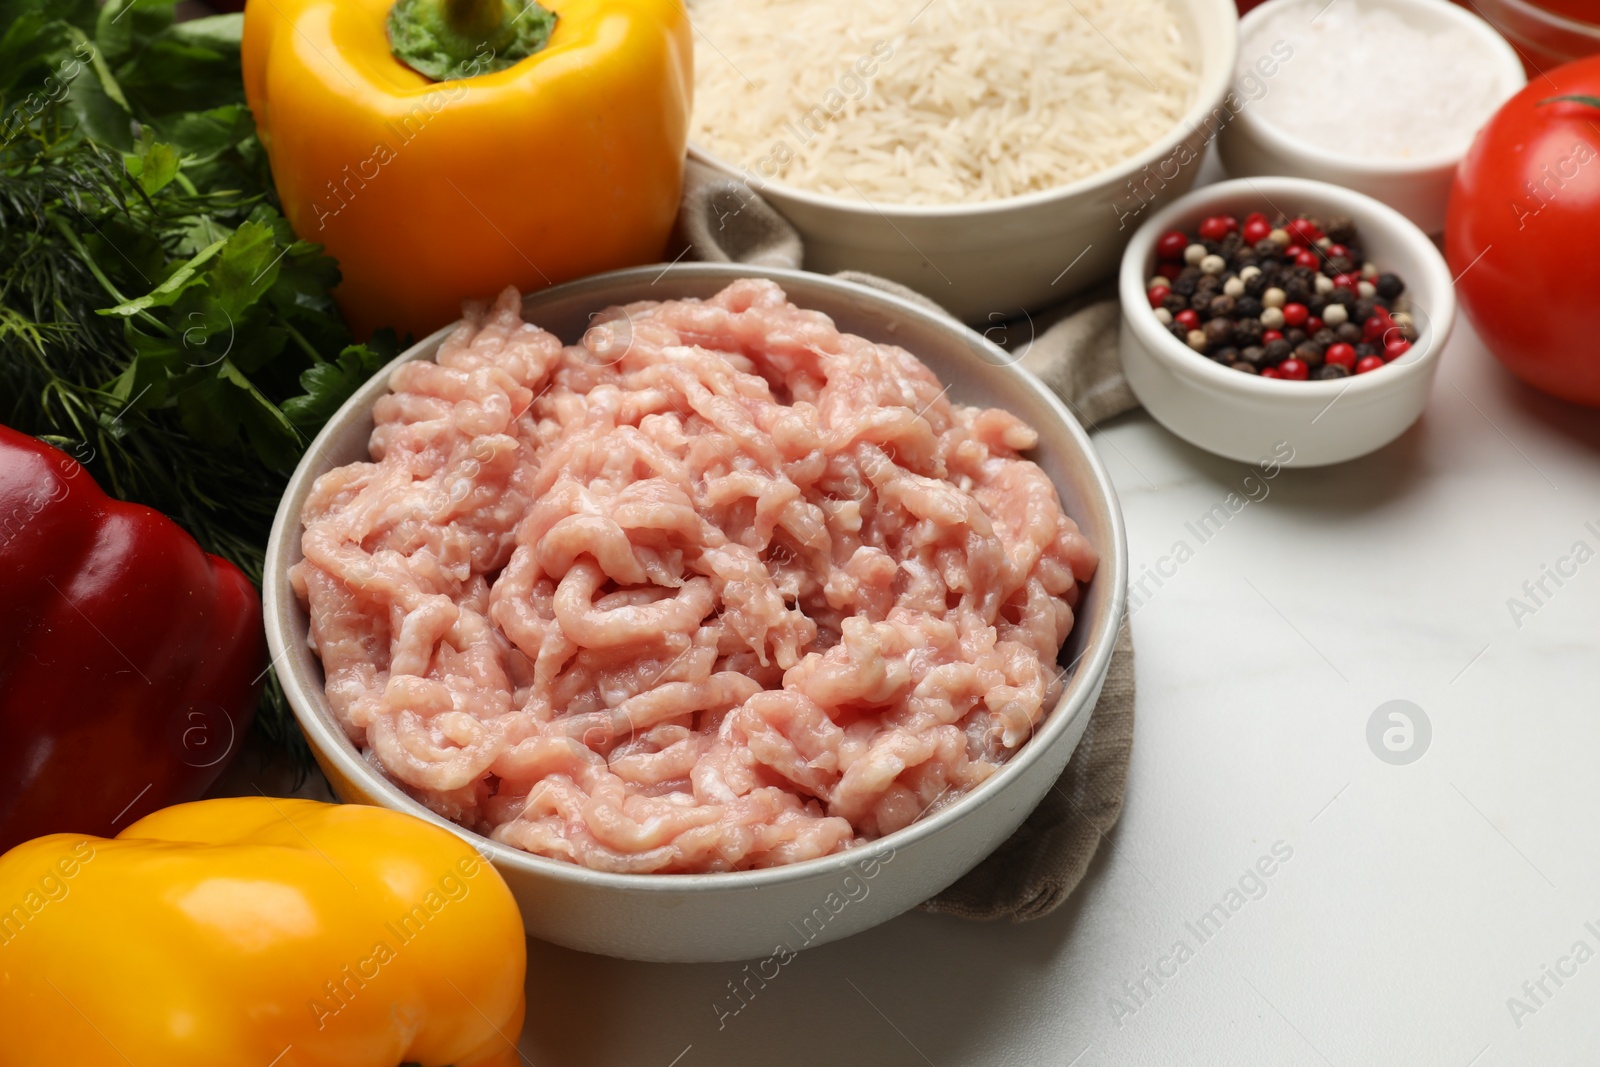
{"x":1415,"y":899}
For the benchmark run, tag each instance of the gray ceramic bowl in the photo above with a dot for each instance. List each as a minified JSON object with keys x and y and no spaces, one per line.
{"x":748,"y":914}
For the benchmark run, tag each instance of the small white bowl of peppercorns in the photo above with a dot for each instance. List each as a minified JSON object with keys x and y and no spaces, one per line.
{"x":1273,"y":316}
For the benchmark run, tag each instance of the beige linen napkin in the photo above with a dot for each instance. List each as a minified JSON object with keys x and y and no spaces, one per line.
{"x":1073,"y":350}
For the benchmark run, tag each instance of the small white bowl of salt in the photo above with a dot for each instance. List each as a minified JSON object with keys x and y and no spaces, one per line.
{"x":1380,"y":96}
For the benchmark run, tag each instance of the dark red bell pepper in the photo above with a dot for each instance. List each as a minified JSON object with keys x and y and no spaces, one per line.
{"x":130,"y":660}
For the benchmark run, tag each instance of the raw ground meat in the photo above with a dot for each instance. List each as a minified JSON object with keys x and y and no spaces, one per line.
{"x":719,"y":588}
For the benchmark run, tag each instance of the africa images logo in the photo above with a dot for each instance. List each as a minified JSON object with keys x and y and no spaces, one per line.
{"x":1399,"y":732}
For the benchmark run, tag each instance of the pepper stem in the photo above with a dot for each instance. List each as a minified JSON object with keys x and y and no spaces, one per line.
{"x":480,"y":19}
{"x":445,"y":39}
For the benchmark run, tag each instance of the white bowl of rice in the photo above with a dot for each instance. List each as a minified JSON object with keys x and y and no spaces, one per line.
{"x":994,"y":155}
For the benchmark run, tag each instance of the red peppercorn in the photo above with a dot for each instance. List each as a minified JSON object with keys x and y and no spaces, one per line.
{"x":1190,"y":320}
{"x":1270,"y":372}
{"x":1395,"y":347}
{"x":1170,"y":271}
{"x":1303,"y":231}
{"x":1306,"y":258}
{"x":1157,"y":294}
{"x":1293,"y":369}
{"x":1171,"y":245}
{"x":1256,"y":229}
{"x":1313,"y":324}
{"x":1369,"y":363}
{"x":1295,"y":314}
{"x":1217,"y":227}
{"x":1342,"y":354}
{"x":1336,"y":250}
{"x":1269,"y":336}
{"x":1376,"y":326}
{"x":1347,"y":281}
{"x":1256,"y":216}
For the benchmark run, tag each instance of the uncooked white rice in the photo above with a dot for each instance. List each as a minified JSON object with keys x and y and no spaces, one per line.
{"x":955,"y":101}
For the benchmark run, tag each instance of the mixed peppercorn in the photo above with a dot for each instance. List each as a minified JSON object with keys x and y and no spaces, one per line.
{"x":1284,"y":298}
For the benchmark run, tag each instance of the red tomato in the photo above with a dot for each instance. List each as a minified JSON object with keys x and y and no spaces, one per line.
{"x":1576,"y":10}
{"x":1523,"y":224}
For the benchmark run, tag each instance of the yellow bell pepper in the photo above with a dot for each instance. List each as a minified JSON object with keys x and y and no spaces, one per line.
{"x":254,"y":932}
{"x":564,"y":163}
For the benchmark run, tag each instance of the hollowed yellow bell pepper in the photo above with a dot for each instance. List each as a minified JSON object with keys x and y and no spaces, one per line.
{"x":256,"y":932}
{"x":566,"y":162}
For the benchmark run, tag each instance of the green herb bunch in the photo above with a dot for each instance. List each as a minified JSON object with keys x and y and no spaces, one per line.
{"x":158,"y":318}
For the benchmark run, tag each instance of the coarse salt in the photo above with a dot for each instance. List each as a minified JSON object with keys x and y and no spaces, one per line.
{"x":1363,"y":81}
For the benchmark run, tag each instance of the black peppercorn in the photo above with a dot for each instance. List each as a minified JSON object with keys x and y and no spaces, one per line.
{"x":1364,"y":350}
{"x":1309,"y":353}
{"x":1389,"y":285}
{"x":1317,"y":304}
{"x":1334,"y":266}
{"x":1175,"y":303}
{"x":1253,"y":354}
{"x":1245,"y":368}
{"x":1329,"y":371}
{"x":1247,"y":306}
{"x":1245,"y":257}
{"x":1294,"y":335}
{"x":1324,"y":337}
{"x":1230,"y":245}
{"x":1208,"y":283}
{"x":1349,"y":333}
{"x":1275,"y":352}
{"x":1267,"y":247}
{"x":1226,"y":356}
{"x":1341,"y":230}
{"x":1219,"y":332}
{"x":1200,"y":302}
{"x":1184,"y":284}
{"x":1363,"y":309}
{"x":1297,"y":291}
{"x":1247,"y":331}
{"x":1222,"y":306}
{"x":1254,"y":286}
{"x":1179,"y":330}
{"x":1344,"y":297}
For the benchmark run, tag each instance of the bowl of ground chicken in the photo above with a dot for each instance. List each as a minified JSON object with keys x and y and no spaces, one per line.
{"x":689,"y":596}
{"x":994,"y":155}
